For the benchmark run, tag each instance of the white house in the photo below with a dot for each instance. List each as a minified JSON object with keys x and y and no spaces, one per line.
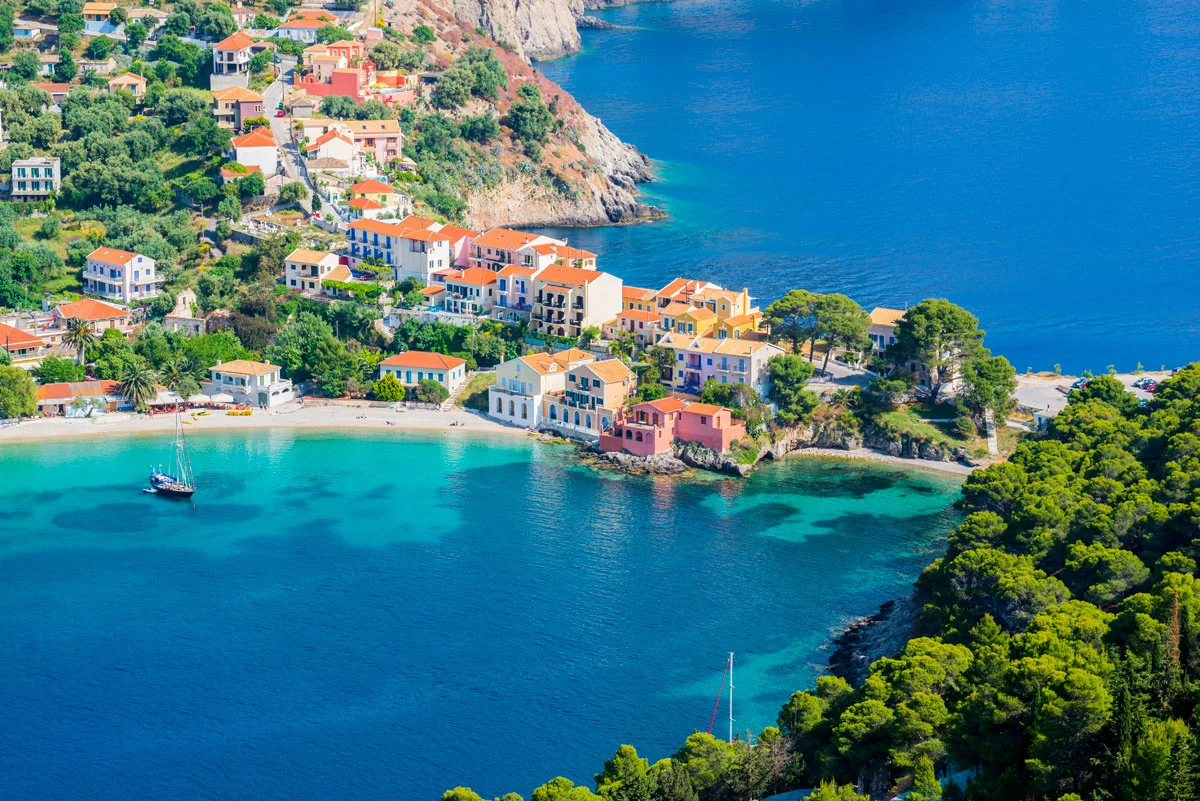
{"x":414,"y":366}
{"x":516,"y":397}
{"x":413,"y":247}
{"x":120,"y":275}
{"x":257,"y":149}
{"x":883,"y":327}
{"x":254,"y":383}
{"x":231,"y":55}
{"x":35,"y":178}
{"x":304,"y":269}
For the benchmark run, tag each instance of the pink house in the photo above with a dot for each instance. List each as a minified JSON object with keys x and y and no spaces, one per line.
{"x":652,"y":427}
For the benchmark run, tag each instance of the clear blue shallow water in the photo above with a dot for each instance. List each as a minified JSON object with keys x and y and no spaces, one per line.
{"x":1037,"y":162}
{"x":342,"y":617}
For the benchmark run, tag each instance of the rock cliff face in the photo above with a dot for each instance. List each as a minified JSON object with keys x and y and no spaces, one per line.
{"x":535,"y":29}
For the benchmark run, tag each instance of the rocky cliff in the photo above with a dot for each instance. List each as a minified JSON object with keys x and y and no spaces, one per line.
{"x":534,"y":29}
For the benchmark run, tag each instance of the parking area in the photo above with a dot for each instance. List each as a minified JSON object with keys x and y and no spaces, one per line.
{"x":1049,"y":393}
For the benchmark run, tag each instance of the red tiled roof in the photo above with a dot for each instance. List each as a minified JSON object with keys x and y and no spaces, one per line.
{"x":477,"y":276}
{"x":638,"y":314}
{"x":423,"y":359}
{"x":365,"y":204}
{"x":304,"y":24}
{"x":455,"y":233}
{"x":504,"y":238}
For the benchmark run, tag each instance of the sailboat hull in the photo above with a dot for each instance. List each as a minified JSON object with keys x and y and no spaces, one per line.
{"x":170,"y":486}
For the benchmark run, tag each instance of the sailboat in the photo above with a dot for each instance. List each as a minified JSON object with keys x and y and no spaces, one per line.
{"x":728,"y":672}
{"x":179,"y":483}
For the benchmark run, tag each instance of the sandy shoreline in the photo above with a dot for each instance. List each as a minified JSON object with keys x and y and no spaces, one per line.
{"x":329,"y":417}
{"x":354,"y":416}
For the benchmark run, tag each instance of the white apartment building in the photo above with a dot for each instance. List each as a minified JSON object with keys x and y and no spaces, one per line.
{"x":120,"y":275}
{"x":35,"y":178}
{"x":413,"y":247}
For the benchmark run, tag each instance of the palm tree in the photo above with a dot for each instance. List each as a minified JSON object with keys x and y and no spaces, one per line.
{"x":79,"y":335}
{"x":137,"y":383}
{"x":179,"y":376}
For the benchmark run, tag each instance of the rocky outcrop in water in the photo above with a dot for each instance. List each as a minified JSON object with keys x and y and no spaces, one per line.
{"x":587,"y":22}
{"x":874,"y":637}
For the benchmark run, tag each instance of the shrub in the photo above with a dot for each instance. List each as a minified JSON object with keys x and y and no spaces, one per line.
{"x":423,"y":34}
{"x":388,"y":389}
{"x":965,"y":426}
{"x":429,"y":391}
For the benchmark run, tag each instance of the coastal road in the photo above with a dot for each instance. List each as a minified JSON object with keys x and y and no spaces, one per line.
{"x":281,"y":127}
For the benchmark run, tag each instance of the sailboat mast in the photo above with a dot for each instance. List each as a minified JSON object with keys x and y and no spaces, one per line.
{"x":731,"y":696}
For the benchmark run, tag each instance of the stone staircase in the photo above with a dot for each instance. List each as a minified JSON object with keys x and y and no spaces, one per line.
{"x":989,"y":422}
{"x":448,"y":404}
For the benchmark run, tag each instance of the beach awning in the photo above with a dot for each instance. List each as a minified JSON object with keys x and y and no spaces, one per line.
{"x":220,"y":397}
{"x":165,"y":398}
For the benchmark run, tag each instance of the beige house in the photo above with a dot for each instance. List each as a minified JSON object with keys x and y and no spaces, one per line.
{"x":253,"y":383}
{"x":594,"y":395}
{"x":569,"y":299}
{"x":25,"y":349}
{"x":516,"y":397}
{"x":128,"y":80}
{"x":304,"y":270}
{"x":883,"y":327}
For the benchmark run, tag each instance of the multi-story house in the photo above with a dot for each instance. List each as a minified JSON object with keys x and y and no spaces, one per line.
{"x":379,"y":139}
{"x":236,"y":104}
{"x":24,"y":348}
{"x":415,"y":366}
{"x":255,"y":383}
{"x":413,"y":247}
{"x":883,"y":327}
{"x":502,"y":247}
{"x":514,"y":293}
{"x":594,"y":395}
{"x":470,"y":291}
{"x":120,"y":275}
{"x":340,"y":68}
{"x":304,"y":270}
{"x":695,"y":321}
{"x":521,"y":383}
{"x":231,"y":55}
{"x":243,"y":16}
{"x":726,"y":361}
{"x":35,"y":178}
{"x":653,"y":427}
{"x":569,"y":299}
{"x":725,"y":302}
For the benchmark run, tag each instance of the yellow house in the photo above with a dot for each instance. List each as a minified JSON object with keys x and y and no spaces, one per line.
{"x":737,"y":327}
{"x":376,"y":191}
{"x":595,"y":392}
{"x":635,"y":298}
{"x":696,"y":321}
{"x":130,"y":81}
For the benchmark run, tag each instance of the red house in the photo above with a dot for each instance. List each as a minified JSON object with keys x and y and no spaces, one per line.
{"x":652,"y":427}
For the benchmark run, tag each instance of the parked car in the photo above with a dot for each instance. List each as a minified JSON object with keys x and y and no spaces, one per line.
{"x":280,"y":113}
{"x":1080,"y":383}
{"x":1151,"y":387}
{"x":1144,"y":382}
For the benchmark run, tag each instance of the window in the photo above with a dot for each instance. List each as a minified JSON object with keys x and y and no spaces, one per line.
{"x":709,"y":361}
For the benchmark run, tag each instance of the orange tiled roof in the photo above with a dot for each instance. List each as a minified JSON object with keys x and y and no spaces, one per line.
{"x":75,"y":389}
{"x":476,"y":276}
{"x":16,"y":339}
{"x":637,"y":293}
{"x":504,"y":238}
{"x":423,"y":359}
{"x":610,"y":370}
{"x":455,"y":233}
{"x":666,"y":405}
{"x":371,"y":186}
{"x":303,"y":24}
{"x":90,"y":309}
{"x":638,"y":314}
{"x":702,"y":408}
{"x":365,"y":204}
{"x":571,"y":276}
{"x":237,"y":93}
{"x":112,"y":255}
{"x":238,"y":41}
{"x":259,"y":137}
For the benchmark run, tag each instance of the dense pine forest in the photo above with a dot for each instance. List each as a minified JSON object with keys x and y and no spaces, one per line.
{"x":1058,"y":655}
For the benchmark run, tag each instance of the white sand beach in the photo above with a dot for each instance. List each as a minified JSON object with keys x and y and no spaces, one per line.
{"x":343,"y":415}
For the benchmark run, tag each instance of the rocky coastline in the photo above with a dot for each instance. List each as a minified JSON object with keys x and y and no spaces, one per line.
{"x":873,"y":637}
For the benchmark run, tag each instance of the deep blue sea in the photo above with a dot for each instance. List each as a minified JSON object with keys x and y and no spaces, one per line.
{"x":349,"y":617}
{"x":1037,"y":162}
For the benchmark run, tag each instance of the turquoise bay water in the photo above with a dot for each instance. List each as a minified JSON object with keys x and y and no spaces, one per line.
{"x":1037,"y":162}
{"x":348,"y":617}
